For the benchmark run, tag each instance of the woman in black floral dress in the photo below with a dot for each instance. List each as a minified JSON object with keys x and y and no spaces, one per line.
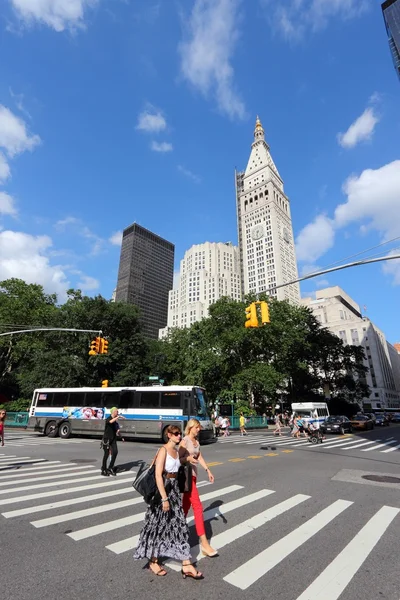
{"x":165,"y":532}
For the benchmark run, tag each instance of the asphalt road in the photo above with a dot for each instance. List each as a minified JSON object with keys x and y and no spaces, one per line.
{"x":291,"y":521}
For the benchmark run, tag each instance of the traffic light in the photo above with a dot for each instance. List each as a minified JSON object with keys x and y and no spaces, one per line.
{"x":251,"y":315}
{"x":104,"y":346}
{"x":93,"y":346}
{"x":264,"y":312}
{"x":98,"y":345}
{"x":104,"y":383}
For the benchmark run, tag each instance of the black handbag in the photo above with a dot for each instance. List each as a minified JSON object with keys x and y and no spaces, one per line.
{"x":145,"y":481}
{"x":185,"y":478}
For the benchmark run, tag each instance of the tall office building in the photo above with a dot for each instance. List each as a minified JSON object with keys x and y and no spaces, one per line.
{"x":339,"y":313}
{"x":391,"y":15}
{"x":207,"y":272}
{"x":145,"y":276}
{"x":266,"y":244}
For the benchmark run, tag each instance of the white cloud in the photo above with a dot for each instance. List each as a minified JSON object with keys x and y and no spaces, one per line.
{"x":392,"y":267}
{"x":362,"y":129}
{"x":24,"y":256}
{"x":116,"y":238}
{"x":14,"y":137}
{"x":322,"y":283}
{"x":189,"y":174}
{"x":297,"y":18}
{"x":76,"y":225}
{"x":374,"y":197}
{"x":207,"y":52}
{"x":87,"y":283}
{"x":4,"y":168}
{"x":58,"y":14}
{"x":161,"y":146}
{"x":373,"y":201}
{"x":315,"y":239}
{"x":7,"y":205}
{"x":151,"y":120}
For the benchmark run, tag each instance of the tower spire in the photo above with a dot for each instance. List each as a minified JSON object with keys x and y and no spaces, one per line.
{"x":258,"y":130}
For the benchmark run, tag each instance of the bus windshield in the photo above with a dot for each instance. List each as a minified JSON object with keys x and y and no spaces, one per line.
{"x":201,"y":402}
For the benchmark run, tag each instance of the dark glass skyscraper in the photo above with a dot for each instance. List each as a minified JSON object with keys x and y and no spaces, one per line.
{"x":145,"y":276}
{"x":391,"y":14}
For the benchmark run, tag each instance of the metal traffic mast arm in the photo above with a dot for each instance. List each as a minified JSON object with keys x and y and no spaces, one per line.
{"x":346,"y":266}
{"x":97,"y":331}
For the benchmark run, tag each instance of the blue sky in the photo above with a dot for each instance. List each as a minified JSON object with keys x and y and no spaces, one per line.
{"x":114,"y":111}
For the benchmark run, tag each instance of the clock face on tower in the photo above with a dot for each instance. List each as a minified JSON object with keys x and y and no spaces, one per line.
{"x":257,"y":232}
{"x":286,"y":235}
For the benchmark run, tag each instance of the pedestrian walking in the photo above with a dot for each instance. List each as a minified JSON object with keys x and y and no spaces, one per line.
{"x":3,"y":415}
{"x":109,"y":442}
{"x":165,"y":532}
{"x":278,"y":425}
{"x":217,"y":424}
{"x":295,"y":430}
{"x":242,"y":423}
{"x":189,"y":453}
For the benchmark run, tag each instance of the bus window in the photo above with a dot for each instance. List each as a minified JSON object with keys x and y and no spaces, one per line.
{"x":110,"y":399}
{"x":126,"y":399}
{"x":94,"y":399}
{"x":75,"y":399}
{"x":59,"y":398}
{"x":149,"y":399}
{"x":170,"y":400}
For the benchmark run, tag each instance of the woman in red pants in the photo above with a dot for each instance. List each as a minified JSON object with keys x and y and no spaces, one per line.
{"x":189,"y":452}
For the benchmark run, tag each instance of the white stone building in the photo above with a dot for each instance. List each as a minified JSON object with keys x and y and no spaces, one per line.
{"x":336,"y":311}
{"x":265,"y":233}
{"x":207,"y":272}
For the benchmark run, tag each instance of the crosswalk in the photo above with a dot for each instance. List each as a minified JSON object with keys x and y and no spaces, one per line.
{"x":20,"y":440}
{"x":345,"y":442}
{"x":45,"y":494}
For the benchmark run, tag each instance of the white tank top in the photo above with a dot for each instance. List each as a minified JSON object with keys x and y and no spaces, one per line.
{"x":172,"y":464}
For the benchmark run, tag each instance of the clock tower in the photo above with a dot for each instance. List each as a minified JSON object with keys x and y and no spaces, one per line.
{"x":266,"y":244}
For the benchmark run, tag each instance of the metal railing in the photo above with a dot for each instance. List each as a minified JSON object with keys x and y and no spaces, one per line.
{"x":251,"y":422}
{"x":17,"y":419}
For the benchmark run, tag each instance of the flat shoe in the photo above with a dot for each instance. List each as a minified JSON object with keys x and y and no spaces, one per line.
{"x":212,"y":555}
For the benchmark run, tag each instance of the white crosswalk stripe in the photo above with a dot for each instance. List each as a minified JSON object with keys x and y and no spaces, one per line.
{"x":19,"y":440}
{"x":345,"y":443}
{"x":114,"y":506}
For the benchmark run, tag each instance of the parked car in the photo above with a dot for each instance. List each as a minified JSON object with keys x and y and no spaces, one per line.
{"x":362,"y":422}
{"x":382,"y":420}
{"x":395,"y":417}
{"x":371,"y":416}
{"x":337,"y":424}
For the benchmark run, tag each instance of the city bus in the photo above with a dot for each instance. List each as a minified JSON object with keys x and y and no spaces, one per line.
{"x":146,"y":411}
{"x":312,"y":411}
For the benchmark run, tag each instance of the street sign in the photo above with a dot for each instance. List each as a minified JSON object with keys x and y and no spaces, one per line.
{"x":153,"y":378}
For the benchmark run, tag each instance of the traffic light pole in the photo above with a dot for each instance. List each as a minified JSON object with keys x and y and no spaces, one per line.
{"x":97,"y":331}
{"x":340,"y":267}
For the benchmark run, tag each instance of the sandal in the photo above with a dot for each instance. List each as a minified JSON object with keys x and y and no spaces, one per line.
{"x":196,"y":575}
{"x":161,"y":571}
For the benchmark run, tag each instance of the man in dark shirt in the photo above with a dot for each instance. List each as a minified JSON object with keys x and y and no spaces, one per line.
{"x":110,"y":442}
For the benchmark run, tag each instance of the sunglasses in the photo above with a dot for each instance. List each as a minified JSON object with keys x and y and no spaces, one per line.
{"x":177,"y":433}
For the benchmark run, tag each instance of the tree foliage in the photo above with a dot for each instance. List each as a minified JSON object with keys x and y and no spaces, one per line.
{"x":292,"y":358}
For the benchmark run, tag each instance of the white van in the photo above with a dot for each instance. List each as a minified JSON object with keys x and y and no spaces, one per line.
{"x":311,"y":411}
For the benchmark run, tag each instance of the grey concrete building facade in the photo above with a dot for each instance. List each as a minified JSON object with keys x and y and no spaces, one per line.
{"x":339,"y":313}
{"x":145,"y":276}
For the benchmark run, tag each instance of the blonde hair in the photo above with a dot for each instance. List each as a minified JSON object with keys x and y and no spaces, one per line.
{"x":190,"y":424}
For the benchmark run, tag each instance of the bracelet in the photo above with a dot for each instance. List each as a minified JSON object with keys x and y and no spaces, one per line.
{"x":164,"y":499}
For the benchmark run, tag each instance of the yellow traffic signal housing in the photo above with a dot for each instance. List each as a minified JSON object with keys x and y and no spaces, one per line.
{"x":104,"y":383}
{"x":93,"y":346}
{"x":98,"y":345}
{"x":251,"y":315}
{"x":264,"y":312}
{"x":104,"y":346}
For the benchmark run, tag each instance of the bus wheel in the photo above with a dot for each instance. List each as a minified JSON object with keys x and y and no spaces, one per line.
{"x":64,"y":430}
{"x":51,"y":429}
